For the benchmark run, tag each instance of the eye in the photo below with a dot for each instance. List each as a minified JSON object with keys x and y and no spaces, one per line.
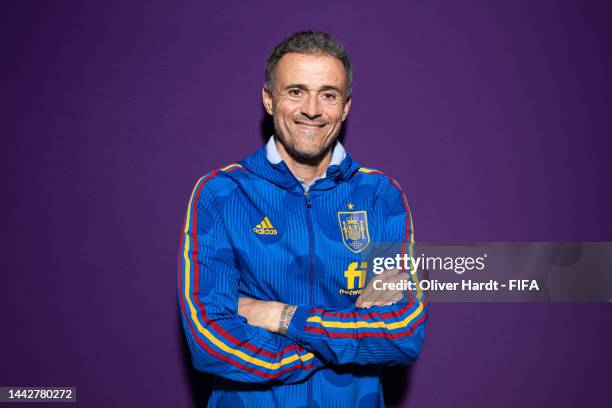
{"x":295,"y":92}
{"x":329,"y":96}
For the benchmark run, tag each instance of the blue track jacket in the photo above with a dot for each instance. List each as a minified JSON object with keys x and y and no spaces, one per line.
{"x":252,"y":230}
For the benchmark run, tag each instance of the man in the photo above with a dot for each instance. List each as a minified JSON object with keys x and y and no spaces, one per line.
{"x":272,"y":280}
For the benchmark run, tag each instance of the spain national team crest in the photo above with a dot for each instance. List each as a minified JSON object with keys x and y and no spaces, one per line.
{"x":354,"y":229}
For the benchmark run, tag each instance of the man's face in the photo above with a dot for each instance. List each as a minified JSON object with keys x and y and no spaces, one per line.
{"x":307,"y":103}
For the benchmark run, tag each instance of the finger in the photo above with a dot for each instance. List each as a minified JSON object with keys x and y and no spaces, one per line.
{"x":383,"y":277}
{"x":393,"y":298}
{"x":389,"y":272}
{"x":390,"y":298}
{"x":367,"y":297}
{"x":393,"y":295}
{"x":378,"y":303}
{"x":372,"y":294}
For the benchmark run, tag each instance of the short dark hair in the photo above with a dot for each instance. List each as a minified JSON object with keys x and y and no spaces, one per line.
{"x":314,"y":43}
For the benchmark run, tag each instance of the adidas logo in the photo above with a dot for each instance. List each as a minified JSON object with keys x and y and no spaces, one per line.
{"x":265,"y":228}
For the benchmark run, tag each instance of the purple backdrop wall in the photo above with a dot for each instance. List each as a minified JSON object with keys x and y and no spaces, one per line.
{"x":494,"y":116}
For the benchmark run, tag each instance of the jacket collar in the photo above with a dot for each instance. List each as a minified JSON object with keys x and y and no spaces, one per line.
{"x":274,"y":157}
{"x":267,"y":164}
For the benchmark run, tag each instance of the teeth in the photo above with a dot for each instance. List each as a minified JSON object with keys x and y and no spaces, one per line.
{"x":310,"y":124}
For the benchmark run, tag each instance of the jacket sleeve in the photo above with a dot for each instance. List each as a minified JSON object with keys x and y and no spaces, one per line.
{"x":221,"y":341}
{"x":381,"y":335}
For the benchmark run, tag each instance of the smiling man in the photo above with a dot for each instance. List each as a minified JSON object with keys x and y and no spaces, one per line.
{"x":272,"y":276}
{"x":308,"y":102}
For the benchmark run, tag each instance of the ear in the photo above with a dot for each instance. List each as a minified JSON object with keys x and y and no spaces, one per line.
{"x":266,"y":97}
{"x":346,"y":108}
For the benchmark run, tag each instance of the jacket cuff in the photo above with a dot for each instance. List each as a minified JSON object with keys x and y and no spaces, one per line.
{"x":298,"y":321}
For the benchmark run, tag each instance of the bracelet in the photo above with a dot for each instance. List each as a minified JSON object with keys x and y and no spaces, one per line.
{"x":285,"y":319}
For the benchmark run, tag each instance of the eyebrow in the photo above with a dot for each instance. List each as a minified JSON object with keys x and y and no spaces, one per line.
{"x":322,"y":88}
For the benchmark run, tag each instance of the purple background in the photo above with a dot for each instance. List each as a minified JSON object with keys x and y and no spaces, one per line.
{"x":494,"y":116}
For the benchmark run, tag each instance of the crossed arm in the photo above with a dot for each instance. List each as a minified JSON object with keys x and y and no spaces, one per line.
{"x":276,"y":316}
{"x":238,"y":338}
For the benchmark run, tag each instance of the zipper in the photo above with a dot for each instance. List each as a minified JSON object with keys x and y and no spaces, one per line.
{"x":310,"y":243}
{"x":310,"y":268}
{"x":307,"y":198}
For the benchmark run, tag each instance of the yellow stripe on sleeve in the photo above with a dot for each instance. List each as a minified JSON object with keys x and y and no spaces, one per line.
{"x":367,"y":325}
{"x":203,"y":330}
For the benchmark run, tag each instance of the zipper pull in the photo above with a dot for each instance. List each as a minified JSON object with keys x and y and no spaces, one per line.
{"x":307,"y":197}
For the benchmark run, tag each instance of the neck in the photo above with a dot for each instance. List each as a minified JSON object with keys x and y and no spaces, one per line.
{"x":307,"y":171}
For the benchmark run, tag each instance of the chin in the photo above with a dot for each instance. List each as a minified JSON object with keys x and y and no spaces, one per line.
{"x":306,"y":155}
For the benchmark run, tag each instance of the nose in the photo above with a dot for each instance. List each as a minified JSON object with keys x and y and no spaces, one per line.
{"x":311,"y":107}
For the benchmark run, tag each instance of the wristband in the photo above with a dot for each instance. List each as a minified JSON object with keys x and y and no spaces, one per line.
{"x":285,"y":319}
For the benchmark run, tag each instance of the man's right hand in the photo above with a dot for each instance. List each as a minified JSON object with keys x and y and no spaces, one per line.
{"x":372,"y":297}
{"x":262,"y":313}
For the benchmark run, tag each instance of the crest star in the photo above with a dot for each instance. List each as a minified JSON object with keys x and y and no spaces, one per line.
{"x":350,"y":206}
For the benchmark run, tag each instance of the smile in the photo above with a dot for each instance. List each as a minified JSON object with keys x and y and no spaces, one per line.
{"x":309,"y":125}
